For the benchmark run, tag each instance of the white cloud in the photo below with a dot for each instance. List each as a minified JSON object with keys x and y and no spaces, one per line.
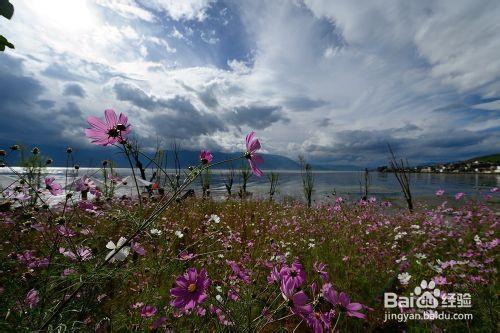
{"x":495,"y":105}
{"x":338,"y":78}
{"x":127,"y":9}
{"x":183,"y":9}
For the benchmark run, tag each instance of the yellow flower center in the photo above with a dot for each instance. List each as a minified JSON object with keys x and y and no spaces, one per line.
{"x":192,"y":288}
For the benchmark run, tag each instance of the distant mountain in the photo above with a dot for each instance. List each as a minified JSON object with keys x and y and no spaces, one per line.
{"x":93,"y":158}
{"x":495,"y":159}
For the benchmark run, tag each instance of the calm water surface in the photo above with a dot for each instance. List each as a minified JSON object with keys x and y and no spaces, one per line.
{"x":345,"y":183}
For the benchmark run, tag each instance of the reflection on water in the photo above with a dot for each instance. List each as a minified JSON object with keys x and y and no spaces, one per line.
{"x":345,"y":183}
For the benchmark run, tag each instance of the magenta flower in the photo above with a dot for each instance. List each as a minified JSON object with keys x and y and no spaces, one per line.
{"x":32,"y":298}
{"x":85,"y":184}
{"x":158,"y":323}
{"x":330,"y":294}
{"x":352,"y":309}
{"x":53,"y":187}
{"x":65,"y":231}
{"x":459,"y":195}
{"x":295,"y":273}
{"x":439,"y":193}
{"x":320,"y":268}
{"x":137,"y":248}
{"x":320,"y":322}
{"x":252,"y":146}
{"x":148,"y":311}
{"x":238,"y":272}
{"x":115,"y":129}
{"x":206,"y":157}
{"x":297,"y":300}
{"x":191,"y":289}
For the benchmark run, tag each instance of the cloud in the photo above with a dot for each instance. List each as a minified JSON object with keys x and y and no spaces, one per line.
{"x":29,"y":119}
{"x":182,"y":120}
{"x":74,"y":89}
{"x":127,"y":8}
{"x":258,"y":117}
{"x":181,"y":10}
{"x":335,"y":80}
{"x":132,"y":93}
{"x":493,"y":105}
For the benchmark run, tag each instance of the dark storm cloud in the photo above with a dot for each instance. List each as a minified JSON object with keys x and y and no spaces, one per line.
{"x":135,"y":95}
{"x":257,"y":117}
{"x":175,"y":117}
{"x":371,"y":147}
{"x":46,"y":103}
{"x":26,"y":118}
{"x":74,"y":89}
{"x":61,"y":72}
{"x":184,"y":121}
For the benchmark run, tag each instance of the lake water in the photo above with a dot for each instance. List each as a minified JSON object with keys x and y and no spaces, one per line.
{"x":345,"y":183}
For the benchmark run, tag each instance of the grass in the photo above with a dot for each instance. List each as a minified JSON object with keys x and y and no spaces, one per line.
{"x":362,"y":245}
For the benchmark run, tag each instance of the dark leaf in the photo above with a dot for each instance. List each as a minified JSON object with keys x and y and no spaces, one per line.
{"x":6,"y":9}
{"x":4,"y":42}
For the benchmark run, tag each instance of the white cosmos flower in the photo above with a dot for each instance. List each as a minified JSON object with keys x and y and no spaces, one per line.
{"x":404,"y":278}
{"x":122,"y":254}
{"x":214,"y":218}
{"x":179,"y":234}
{"x":155,"y":232}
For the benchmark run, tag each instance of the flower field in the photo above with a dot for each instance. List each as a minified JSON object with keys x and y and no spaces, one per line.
{"x":159,"y":262}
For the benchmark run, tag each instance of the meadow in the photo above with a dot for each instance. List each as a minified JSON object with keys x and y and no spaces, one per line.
{"x":163,"y":261}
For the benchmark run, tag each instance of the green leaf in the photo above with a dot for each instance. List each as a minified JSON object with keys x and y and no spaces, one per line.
{"x":4,"y":42}
{"x":6,"y":9}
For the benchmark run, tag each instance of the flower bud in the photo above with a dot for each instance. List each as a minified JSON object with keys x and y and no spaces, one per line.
{"x":69,"y":150}
{"x":2,"y":152}
{"x":35,"y":151}
{"x":14,"y":147}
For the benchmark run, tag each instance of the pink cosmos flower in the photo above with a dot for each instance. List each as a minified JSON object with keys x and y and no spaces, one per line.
{"x":439,"y":280}
{"x":459,"y":195}
{"x":115,"y":129}
{"x":137,"y":248}
{"x":297,"y":300}
{"x":53,"y":187}
{"x":85,"y":184}
{"x":320,"y":268}
{"x":32,"y":298}
{"x":206,"y":157}
{"x":352,"y":309}
{"x":295,"y":273}
{"x":158,"y":323}
{"x":65,"y":231}
{"x":320,"y":322}
{"x":439,"y":193}
{"x":238,"y":272}
{"x":148,"y":311}
{"x":191,"y":289}
{"x":252,"y":146}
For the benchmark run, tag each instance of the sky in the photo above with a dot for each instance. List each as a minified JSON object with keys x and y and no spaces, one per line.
{"x":333,"y":80}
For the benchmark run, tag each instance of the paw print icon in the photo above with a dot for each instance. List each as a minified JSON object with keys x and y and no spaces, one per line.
{"x":427,"y":295}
